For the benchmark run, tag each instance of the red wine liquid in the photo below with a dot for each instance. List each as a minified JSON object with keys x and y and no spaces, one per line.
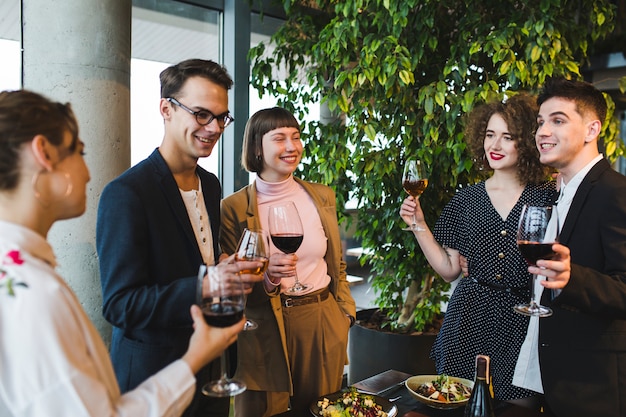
{"x":287,"y":243}
{"x":222,"y":315}
{"x":533,"y":251}
{"x":415,"y":188}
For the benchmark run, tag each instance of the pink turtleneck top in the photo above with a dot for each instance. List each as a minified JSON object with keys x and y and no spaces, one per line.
{"x":311,"y":266}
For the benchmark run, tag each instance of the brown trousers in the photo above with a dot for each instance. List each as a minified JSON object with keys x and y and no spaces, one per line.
{"x":317,"y":339}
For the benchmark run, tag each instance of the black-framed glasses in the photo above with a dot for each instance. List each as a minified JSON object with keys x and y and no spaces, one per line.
{"x":204,"y":117}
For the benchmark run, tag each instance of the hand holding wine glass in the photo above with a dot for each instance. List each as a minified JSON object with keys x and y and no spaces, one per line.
{"x":538,"y":230}
{"x":414,"y":182}
{"x":287,"y":234}
{"x":253,"y":248}
{"x":208,"y":342}
{"x":220,"y":295}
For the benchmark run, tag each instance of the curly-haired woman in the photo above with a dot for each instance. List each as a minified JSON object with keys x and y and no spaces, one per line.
{"x":480,"y":224}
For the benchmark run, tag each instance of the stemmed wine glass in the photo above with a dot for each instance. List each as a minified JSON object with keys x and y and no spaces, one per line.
{"x":253,"y":246}
{"x":414,"y":182}
{"x":287,"y":234}
{"x":220,"y":295}
{"x":538,"y":230}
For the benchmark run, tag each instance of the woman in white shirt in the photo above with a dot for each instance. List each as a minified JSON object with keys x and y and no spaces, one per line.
{"x":53,"y":362}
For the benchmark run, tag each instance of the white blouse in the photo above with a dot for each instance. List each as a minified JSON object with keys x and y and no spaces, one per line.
{"x":53,"y":361}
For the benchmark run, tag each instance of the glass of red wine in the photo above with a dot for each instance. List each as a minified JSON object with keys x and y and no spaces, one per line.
{"x":538,"y":230}
{"x":414,"y":182}
{"x":253,"y":246}
{"x":220,"y":295}
{"x":287,"y":234}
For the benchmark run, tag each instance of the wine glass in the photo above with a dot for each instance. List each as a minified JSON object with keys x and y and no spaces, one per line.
{"x":538,"y":230}
{"x":253,"y":246}
{"x":414,"y":182}
{"x":287,"y":234}
{"x":220,"y":295}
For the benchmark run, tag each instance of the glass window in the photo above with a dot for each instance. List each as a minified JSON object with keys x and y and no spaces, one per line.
{"x":164,"y":33}
{"x":11,"y":68}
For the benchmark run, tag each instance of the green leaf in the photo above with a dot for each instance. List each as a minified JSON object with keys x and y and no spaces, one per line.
{"x":406,"y":77}
{"x":535,"y":54}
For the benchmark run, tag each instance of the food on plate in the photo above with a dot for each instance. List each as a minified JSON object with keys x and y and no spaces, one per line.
{"x":444,"y":389}
{"x":351,"y":404}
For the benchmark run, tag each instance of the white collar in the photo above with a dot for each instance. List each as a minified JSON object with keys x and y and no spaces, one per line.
{"x":568,"y":190}
{"x":28,"y":240}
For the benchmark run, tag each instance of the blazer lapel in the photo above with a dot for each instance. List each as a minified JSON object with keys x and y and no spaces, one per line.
{"x":251,"y":219}
{"x":580,"y":199}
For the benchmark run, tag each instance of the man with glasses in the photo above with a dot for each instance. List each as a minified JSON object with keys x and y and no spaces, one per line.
{"x":157,"y":223}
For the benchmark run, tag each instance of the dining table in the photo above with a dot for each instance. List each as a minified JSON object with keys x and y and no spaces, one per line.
{"x":407,"y":406}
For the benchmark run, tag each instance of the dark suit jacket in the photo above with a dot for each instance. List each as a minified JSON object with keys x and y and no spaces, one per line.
{"x":582,"y":347}
{"x":149,"y":261}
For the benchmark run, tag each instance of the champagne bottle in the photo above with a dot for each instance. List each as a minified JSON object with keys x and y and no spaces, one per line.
{"x":480,"y":403}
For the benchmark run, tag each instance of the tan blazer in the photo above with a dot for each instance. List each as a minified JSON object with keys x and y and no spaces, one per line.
{"x":262,"y":353}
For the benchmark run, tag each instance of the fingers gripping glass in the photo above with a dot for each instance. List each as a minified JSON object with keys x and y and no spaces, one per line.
{"x":538,"y":231}
{"x":204,"y":117}
{"x":253,"y":246}
{"x":287,"y":233}
{"x":220,"y":295}
{"x":414,"y":182}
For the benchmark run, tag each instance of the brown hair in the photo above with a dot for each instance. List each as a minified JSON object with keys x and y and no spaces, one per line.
{"x":173,"y":78}
{"x":588,"y":99}
{"x":24,"y":115}
{"x":258,"y":125}
{"x":520,"y":114}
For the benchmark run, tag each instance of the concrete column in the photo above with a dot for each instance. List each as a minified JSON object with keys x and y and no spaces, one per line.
{"x":78,"y":51}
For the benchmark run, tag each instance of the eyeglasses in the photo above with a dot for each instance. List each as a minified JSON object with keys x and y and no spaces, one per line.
{"x":204,"y":117}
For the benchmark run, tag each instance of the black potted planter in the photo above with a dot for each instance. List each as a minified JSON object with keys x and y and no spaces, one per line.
{"x":372,"y":351}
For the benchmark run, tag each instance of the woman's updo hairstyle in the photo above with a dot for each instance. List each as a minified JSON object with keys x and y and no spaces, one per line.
{"x":24,"y":115}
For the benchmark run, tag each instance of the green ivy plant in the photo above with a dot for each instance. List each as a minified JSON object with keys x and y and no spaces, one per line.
{"x":396,"y":79}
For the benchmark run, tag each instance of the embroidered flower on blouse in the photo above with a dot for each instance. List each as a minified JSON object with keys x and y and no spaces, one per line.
{"x":10,"y":258}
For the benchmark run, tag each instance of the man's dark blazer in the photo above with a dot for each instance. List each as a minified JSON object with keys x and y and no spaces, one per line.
{"x":149,"y":260}
{"x":582,"y":347}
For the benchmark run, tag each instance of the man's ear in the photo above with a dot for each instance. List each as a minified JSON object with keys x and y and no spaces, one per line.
{"x":43,"y":152}
{"x":593,"y":130}
{"x":165,"y":108}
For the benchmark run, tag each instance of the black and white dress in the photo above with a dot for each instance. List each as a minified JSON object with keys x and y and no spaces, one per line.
{"x":480,"y":317}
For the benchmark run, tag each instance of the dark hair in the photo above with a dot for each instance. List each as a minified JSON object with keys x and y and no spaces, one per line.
{"x":520,"y":114}
{"x":588,"y":99}
{"x":173,"y":78}
{"x":258,"y":125}
{"x":24,"y":115}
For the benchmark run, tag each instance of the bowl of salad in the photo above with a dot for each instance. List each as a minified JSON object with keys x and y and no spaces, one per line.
{"x":352,"y":403}
{"x":440,"y":391}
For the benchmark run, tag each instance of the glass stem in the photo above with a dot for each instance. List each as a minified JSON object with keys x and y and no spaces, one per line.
{"x":224,"y":364}
{"x":533,"y":303}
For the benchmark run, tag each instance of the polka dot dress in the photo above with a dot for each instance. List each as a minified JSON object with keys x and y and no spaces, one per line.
{"x":480,"y":317}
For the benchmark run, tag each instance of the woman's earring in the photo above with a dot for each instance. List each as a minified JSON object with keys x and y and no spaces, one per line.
{"x":38,"y":196}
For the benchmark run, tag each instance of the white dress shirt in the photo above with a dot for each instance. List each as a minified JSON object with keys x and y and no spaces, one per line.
{"x":527,"y":372}
{"x":53,"y":361}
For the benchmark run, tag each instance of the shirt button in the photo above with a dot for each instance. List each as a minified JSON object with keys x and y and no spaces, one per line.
{"x":498,"y":276}
{"x":501,"y":255}
{"x":503,"y":233}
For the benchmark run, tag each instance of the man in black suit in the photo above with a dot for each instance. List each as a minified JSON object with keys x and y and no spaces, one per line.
{"x":157,"y":222}
{"x":582,"y":346}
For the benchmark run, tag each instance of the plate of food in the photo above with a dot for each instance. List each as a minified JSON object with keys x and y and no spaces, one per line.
{"x":350,"y":403}
{"x":440,"y":391}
